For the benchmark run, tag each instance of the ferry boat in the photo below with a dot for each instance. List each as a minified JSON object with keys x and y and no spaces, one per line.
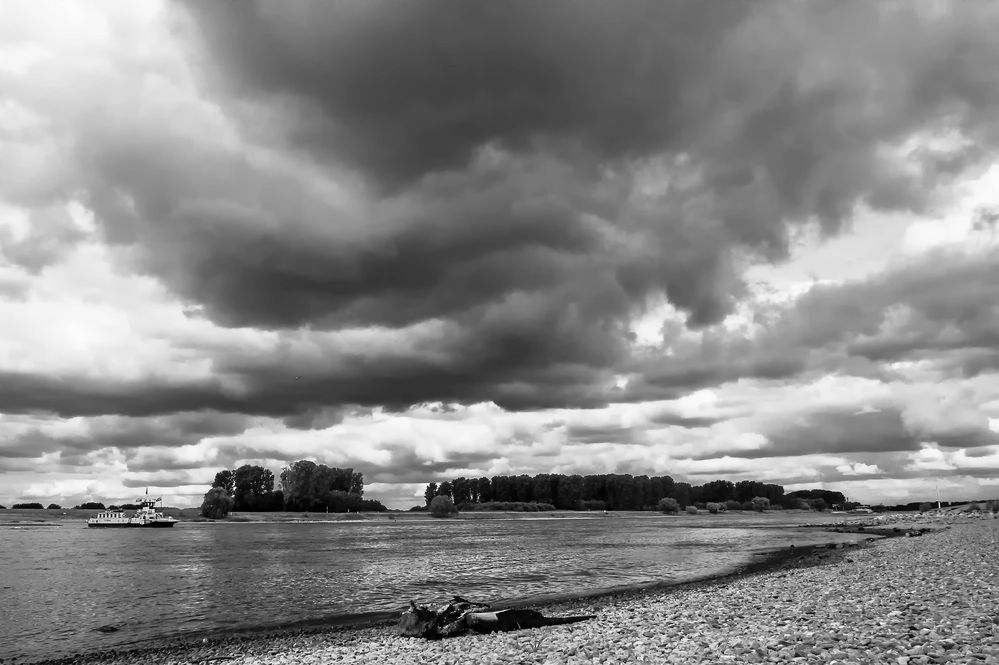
{"x":145,"y":516}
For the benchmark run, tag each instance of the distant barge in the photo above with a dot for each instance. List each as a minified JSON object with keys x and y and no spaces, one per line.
{"x":146,"y":516}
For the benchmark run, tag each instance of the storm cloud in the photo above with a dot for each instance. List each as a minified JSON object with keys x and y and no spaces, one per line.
{"x":530,"y":173}
{"x":278,"y":222}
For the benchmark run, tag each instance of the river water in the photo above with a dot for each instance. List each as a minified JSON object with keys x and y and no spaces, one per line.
{"x":60,"y":584}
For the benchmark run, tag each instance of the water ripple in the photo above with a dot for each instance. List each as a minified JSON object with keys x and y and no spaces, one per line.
{"x":61,"y":585}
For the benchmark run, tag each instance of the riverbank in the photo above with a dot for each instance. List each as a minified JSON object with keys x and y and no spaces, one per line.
{"x":74,"y":516}
{"x":933,"y":598}
{"x":71,"y":516}
{"x":79,"y":517}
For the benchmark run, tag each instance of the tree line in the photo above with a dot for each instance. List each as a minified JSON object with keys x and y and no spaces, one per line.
{"x":304,"y":486}
{"x":600,"y":491}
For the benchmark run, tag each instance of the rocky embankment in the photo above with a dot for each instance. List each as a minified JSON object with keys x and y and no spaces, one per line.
{"x":907,"y":600}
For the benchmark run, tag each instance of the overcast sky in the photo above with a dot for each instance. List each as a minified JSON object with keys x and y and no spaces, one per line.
{"x":742,"y":240}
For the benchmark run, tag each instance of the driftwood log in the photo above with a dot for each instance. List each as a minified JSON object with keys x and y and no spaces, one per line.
{"x":459,"y":616}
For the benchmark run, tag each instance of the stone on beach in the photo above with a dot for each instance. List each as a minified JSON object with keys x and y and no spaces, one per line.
{"x":908,"y":601}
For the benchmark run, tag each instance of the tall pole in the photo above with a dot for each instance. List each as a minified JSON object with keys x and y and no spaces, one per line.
{"x":937,"y":483}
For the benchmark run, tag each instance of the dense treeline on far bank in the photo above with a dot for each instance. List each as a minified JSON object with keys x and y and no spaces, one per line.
{"x":305,"y":486}
{"x":620,"y":492}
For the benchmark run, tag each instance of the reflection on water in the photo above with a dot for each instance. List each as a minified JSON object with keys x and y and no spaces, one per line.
{"x":61,"y":584}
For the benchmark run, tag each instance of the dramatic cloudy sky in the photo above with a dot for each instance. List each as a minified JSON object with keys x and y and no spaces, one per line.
{"x":743,"y":240}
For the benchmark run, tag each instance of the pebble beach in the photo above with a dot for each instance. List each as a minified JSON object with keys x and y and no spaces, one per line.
{"x":904,"y":600}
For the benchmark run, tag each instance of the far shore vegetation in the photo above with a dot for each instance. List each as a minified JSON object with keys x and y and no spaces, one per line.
{"x":618,"y":492}
{"x":553,"y":491}
{"x":307,"y":488}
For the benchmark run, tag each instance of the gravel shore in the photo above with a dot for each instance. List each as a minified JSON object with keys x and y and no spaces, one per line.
{"x":931,"y":599}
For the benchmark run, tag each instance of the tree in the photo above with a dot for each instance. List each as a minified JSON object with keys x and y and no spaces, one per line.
{"x":607,"y":491}
{"x":502,"y":488}
{"x":356,"y":484}
{"x":925,"y":507}
{"x":226,"y":479}
{"x":668,"y":505}
{"x":718,"y":490}
{"x":33,"y":506}
{"x":485,"y":490}
{"x":442,"y":506}
{"x":430,"y":492}
{"x":461,"y":490}
{"x":570,"y":492}
{"x":544,"y":488}
{"x":306,"y":485}
{"x":217,"y":504}
{"x":252,"y":486}
{"x":54,"y":506}
{"x":828,"y":497}
{"x":715,"y":508}
{"x":91,"y":505}
{"x":761,"y":503}
{"x":681,"y":492}
{"x":523,"y":488}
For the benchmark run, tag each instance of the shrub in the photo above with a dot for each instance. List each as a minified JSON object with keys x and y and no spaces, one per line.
{"x":216,"y":504}
{"x":668,"y":505}
{"x":54,"y":506}
{"x":517,"y":506}
{"x":715,"y":508}
{"x":925,"y":507}
{"x":816,"y":504}
{"x":733,"y":505}
{"x":348,"y":502}
{"x":594,"y":504}
{"x":761,"y":503}
{"x":32,"y":506}
{"x":442,"y":506}
{"x":691,"y":510}
{"x":3,"y":507}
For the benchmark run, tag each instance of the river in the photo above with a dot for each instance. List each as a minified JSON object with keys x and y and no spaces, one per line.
{"x":61,"y":585}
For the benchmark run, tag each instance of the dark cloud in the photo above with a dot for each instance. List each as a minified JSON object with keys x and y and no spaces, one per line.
{"x":406,"y":91}
{"x":689,"y":422}
{"x":513,"y":141}
{"x":709,"y":363}
{"x":941,"y":309}
{"x":527,"y":176}
{"x":583,"y":433}
{"x":981,"y":452}
{"x":22,"y":392}
{"x":128,"y":434}
{"x":50,"y":234}
{"x":162,"y":480}
{"x":839,"y":432}
{"x":512,"y":363}
{"x":403,"y":465}
{"x":849,"y":431}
